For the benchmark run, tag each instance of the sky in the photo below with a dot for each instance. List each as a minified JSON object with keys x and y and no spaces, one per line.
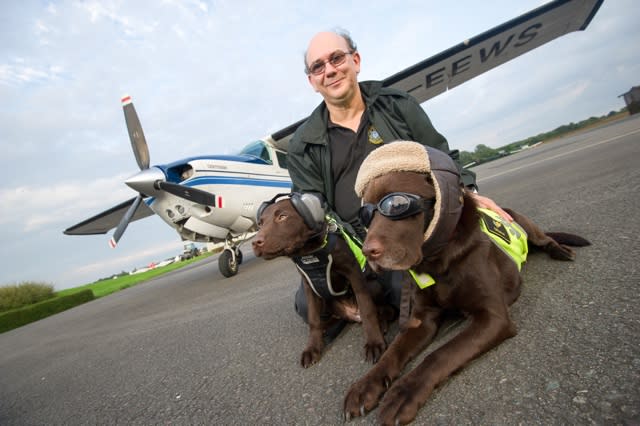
{"x":208,"y":77}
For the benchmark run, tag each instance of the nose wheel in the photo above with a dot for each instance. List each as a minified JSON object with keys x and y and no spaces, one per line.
{"x":229,"y":261}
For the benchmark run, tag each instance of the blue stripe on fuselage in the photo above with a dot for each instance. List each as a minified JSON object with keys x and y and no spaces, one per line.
{"x":219,"y":180}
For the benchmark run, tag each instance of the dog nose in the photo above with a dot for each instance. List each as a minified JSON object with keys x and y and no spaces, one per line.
{"x":372,"y":249}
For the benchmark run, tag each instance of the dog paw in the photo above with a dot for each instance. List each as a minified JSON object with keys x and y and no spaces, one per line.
{"x":402,"y":402}
{"x":373,"y":351}
{"x":363,"y":396}
{"x":560,"y":252}
{"x":309,"y":357}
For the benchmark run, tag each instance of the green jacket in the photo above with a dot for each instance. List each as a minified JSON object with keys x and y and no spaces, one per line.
{"x":395,"y":115}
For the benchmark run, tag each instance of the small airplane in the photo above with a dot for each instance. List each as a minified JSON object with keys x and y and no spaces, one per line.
{"x":210,"y":198}
{"x":214,"y":198}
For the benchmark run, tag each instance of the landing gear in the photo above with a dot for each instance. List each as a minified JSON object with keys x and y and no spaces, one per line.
{"x":231,"y":256}
{"x":228,"y":262}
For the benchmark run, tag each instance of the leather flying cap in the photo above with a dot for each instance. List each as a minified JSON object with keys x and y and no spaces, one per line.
{"x":407,"y":156}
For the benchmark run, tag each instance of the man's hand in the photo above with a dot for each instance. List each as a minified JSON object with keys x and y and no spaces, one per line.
{"x":488,"y":203}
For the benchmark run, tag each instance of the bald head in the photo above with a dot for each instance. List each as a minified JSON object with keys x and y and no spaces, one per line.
{"x":321,"y":40}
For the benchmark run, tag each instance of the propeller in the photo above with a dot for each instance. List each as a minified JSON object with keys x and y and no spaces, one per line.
{"x":149,"y":179}
{"x":188,"y":193}
{"x":136,"y":135}
{"x":124,"y":222}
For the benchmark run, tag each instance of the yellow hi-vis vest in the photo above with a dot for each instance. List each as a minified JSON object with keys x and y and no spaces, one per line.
{"x":508,"y":236}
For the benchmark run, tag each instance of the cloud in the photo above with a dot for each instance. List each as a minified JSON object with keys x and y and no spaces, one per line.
{"x":34,"y":207}
{"x":135,"y":258}
{"x":17,"y":74}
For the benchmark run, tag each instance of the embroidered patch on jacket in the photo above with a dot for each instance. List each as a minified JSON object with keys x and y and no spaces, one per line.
{"x":374,"y":136}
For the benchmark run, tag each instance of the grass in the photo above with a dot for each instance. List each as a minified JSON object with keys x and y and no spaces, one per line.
{"x":105,"y":287}
{"x":27,"y":302}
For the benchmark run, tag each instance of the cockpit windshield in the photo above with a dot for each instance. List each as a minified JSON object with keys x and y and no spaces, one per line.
{"x":257,"y":149}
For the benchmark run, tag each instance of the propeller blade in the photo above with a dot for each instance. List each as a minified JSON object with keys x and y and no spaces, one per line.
{"x":113,"y":242}
{"x":136,"y":135}
{"x":192,"y":194}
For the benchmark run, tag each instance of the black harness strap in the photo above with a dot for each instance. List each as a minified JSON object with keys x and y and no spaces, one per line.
{"x":316,"y":267}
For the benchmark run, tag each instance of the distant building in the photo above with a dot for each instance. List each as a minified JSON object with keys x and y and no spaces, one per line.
{"x":632,"y":99}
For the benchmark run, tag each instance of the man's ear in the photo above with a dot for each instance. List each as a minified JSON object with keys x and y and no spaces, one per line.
{"x":356,"y":60}
{"x":309,"y":79}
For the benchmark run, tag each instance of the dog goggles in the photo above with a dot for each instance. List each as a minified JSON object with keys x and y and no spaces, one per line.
{"x":396,"y":206}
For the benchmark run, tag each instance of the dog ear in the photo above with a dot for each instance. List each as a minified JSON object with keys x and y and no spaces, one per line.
{"x":266,"y":204}
{"x":311,"y":207}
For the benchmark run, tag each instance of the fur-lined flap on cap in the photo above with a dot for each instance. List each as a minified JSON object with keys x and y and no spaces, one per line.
{"x":399,"y":156}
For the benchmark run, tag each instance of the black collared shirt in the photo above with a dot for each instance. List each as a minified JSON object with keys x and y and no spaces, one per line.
{"x":348,"y":151}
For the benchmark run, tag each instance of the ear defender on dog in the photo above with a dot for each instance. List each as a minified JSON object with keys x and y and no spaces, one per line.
{"x":309,"y":206}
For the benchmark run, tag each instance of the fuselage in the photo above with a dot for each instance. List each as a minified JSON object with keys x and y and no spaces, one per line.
{"x":240,"y":184}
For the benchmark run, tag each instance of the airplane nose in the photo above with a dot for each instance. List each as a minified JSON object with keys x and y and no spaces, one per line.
{"x":144,"y":181}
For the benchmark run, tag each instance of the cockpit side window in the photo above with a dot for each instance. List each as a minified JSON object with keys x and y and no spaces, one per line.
{"x":186,"y":172}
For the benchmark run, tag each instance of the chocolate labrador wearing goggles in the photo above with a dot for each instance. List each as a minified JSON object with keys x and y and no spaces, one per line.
{"x":472,"y":274}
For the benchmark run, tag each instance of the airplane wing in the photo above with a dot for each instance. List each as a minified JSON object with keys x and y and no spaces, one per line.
{"x":109,"y":219}
{"x":481,"y":53}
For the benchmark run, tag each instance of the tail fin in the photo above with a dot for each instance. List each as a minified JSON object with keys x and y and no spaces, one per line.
{"x":568,"y":239}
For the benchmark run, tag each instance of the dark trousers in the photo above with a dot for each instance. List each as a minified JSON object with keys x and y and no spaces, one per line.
{"x":391,"y":282}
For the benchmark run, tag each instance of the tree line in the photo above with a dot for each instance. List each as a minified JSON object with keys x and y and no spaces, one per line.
{"x":484,"y":153}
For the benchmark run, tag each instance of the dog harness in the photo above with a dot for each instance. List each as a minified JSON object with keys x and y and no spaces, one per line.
{"x":316,"y":267}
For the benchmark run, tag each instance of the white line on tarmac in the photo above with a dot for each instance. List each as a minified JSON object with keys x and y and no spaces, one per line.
{"x":485,"y":178}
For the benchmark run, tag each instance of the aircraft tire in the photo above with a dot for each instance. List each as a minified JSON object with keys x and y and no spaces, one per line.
{"x":227,"y":266}
{"x":239,"y":257}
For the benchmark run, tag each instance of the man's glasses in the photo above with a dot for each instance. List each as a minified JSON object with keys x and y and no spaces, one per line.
{"x":336,"y":59}
{"x":396,"y":206}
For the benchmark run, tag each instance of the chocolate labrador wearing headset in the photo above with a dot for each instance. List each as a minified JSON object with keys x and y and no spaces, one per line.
{"x":294,"y":225}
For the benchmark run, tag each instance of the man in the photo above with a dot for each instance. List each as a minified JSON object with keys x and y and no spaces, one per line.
{"x":353,"y":120}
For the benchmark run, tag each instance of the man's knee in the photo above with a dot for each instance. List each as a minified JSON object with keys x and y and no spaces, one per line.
{"x":300,"y":302}
{"x":392,"y":284}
